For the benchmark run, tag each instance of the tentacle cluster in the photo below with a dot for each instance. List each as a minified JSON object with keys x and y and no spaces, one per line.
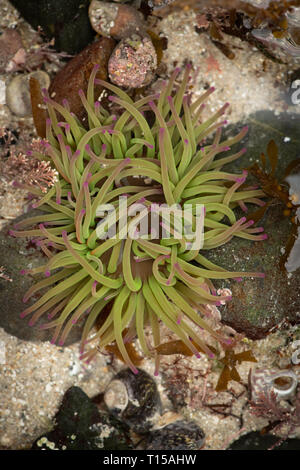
{"x":154,"y":150}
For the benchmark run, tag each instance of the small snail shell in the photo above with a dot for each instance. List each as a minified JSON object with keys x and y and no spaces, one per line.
{"x":264,"y":381}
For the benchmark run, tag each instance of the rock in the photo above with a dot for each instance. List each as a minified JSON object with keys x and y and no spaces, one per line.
{"x":66,"y":21}
{"x":10,"y":44}
{"x":74,"y":76}
{"x":39,"y":113}
{"x":258,"y":441}
{"x":260,"y":304}
{"x":180,"y":435}
{"x":17,"y":255}
{"x":18,"y":92}
{"x":133,"y":62}
{"x":115,"y":20}
{"x":80,"y":426}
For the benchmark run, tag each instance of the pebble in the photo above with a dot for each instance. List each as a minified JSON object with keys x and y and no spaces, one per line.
{"x":18,"y":93}
{"x":133,"y":62}
{"x":10,"y":44}
{"x":75,"y":75}
{"x":115,"y":20}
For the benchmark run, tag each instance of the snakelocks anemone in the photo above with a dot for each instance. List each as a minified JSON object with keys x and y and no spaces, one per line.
{"x":151,"y":154}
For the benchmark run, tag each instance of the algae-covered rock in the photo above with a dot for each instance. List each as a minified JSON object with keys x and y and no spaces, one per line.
{"x":79,"y":425}
{"x":18,"y":255}
{"x":260,"y":304}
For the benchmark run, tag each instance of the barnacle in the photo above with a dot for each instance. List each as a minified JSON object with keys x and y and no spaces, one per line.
{"x":154,"y":153}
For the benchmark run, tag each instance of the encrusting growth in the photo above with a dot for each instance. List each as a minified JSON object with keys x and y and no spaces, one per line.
{"x":153,"y":152}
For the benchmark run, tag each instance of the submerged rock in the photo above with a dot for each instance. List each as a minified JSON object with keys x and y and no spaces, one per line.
{"x":115,"y":20}
{"x":17,"y":255}
{"x":66,"y":21}
{"x":80,"y":426}
{"x":260,"y":304}
{"x":257,"y":441}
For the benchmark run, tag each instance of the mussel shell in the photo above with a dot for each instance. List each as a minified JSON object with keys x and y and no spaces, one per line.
{"x":180,"y":435}
{"x":134,"y":399}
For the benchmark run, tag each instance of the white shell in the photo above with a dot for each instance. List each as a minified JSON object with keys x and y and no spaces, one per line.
{"x":116,"y":396}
